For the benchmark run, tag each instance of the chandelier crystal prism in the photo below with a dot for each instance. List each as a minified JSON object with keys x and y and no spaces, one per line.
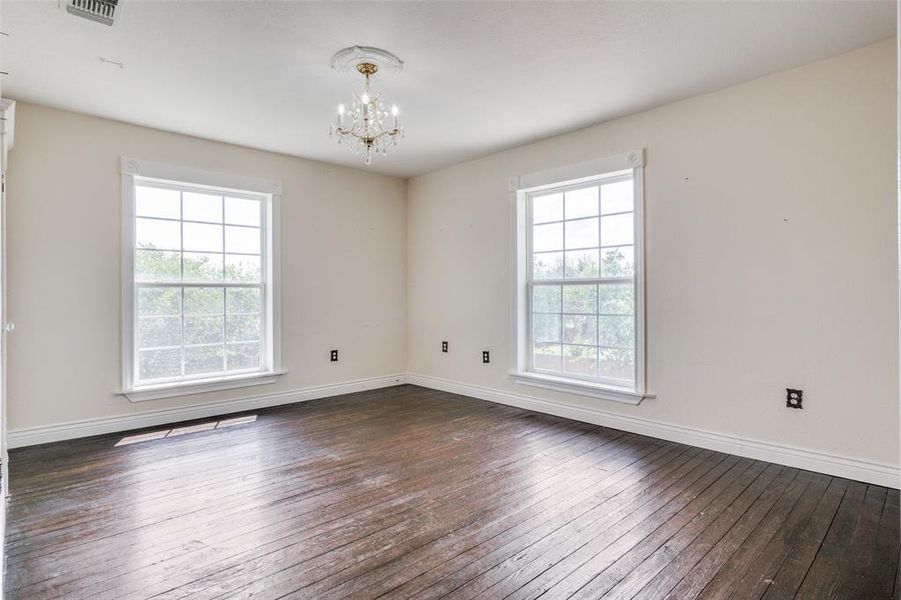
{"x":369,"y":126}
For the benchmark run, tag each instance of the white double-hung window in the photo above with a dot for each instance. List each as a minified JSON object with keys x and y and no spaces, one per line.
{"x":200,"y":294}
{"x":579,"y":291}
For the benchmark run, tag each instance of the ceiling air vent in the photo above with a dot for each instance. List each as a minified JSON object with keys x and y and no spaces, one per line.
{"x":102,"y":11}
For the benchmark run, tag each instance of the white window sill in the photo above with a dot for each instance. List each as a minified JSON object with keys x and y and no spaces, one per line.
{"x":582,"y":388}
{"x":198,"y":386}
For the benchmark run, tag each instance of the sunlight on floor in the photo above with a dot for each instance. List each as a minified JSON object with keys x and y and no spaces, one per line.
{"x":164,"y":433}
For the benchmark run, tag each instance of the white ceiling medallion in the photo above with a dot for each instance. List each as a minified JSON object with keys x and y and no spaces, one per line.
{"x":346,"y":60}
{"x":366,"y":125}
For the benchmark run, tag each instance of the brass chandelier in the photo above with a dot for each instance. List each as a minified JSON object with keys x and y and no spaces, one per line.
{"x":368,"y":126}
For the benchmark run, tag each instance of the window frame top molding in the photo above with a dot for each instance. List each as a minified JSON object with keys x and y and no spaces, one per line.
{"x":133,"y":171}
{"x":198,"y":177}
{"x":522,"y":188}
{"x":573,"y":174}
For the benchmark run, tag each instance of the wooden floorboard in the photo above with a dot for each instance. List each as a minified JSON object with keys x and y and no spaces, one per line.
{"x":407,"y":492}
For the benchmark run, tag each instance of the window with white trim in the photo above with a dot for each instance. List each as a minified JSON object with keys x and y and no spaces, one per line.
{"x":580,"y":270}
{"x":200,"y":280}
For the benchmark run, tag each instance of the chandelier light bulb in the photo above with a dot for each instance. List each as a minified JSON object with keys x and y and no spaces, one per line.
{"x":341,"y":109}
{"x":394,"y":110}
{"x":365,"y":98}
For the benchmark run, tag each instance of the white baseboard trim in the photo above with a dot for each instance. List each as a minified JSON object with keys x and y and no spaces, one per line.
{"x":78,"y":429}
{"x":811,"y":460}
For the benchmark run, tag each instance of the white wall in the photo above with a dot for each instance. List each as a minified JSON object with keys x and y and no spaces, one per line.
{"x":342,"y":234}
{"x":771,"y":258}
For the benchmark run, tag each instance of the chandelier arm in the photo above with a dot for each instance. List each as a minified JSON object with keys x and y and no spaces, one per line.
{"x":387,"y":133}
{"x":373,"y":137}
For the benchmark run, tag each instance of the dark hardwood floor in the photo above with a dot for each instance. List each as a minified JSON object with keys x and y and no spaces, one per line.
{"x":412,"y":493}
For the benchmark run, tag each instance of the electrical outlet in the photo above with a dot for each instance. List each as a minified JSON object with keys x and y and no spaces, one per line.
{"x":334,"y":356}
{"x":444,"y":346}
{"x":793,"y":398}
{"x":485,"y":357}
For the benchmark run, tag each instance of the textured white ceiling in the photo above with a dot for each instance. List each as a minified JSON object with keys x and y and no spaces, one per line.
{"x":479,"y":76}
